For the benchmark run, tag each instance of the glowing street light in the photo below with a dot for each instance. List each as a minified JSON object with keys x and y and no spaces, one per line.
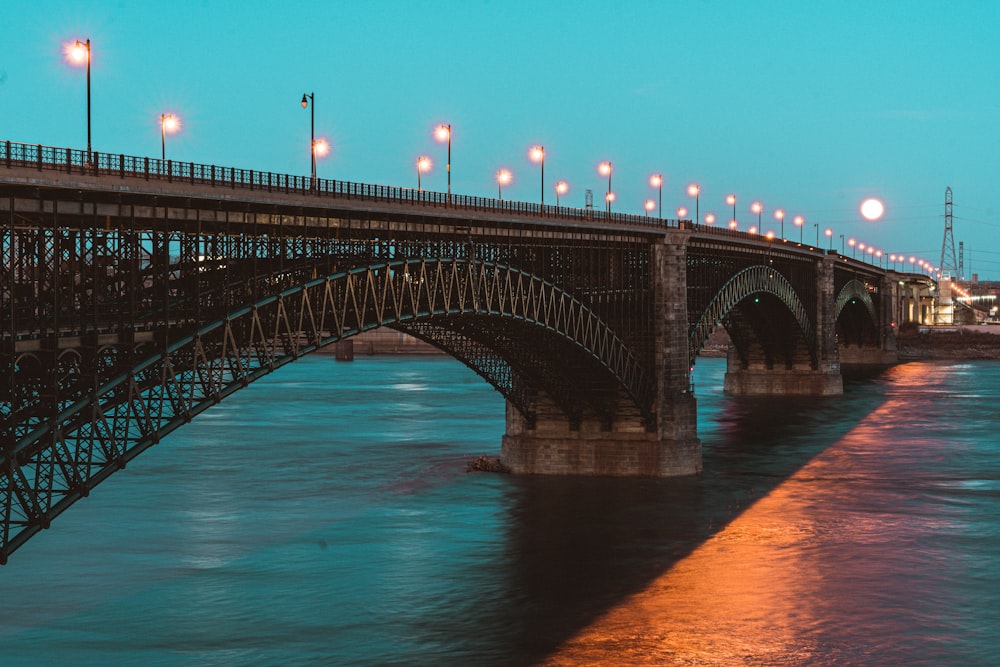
{"x":562,"y":187}
{"x":780,"y":215}
{"x":504,"y":177}
{"x":816,"y":227}
{"x":610,"y":197}
{"x":604,"y":169}
{"x":79,"y":52}
{"x":829,"y":236}
{"x":656,"y":180}
{"x":443,"y":133}
{"x":423,"y":164}
{"x":649,"y":206}
{"x":168,"y":123}
{"x":709,"y":218}
{"x":852,"y":242}
{"x":733,"y":224}
{"x":537,"y":154}
{"x":799,"y":222}
{"x":682,"y":213}
{"x":757,"y":208}
{"x":694,"y":190}
{"x":731,"y":200}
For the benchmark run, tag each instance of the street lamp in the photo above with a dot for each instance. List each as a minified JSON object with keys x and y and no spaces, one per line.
{"x":780,"y":215}
{"x":682,"y":213}
{"x":604,"y":169}
{"x":829,"y":235}
{"x":852,"y":242}
{"x":842,"y":252}
{"x":694,"y":190}
{"x":709,"y":218}
{"x":731,"y":200}
{"x":799,"y":222}
{"x":656,"y":180}
{"x":537,"y":154}
{"x":562,"y":187}
{"x":168,"y":123}
{"x":79,"y":52}
{"x":757,"y":208}
{"x":309,"y":102}
{"x":423,"y":164}
{"x":649,"y":206}
{"x":610,"y":197}
{"x":443,"y":133}
{"x":816,"y":227}
{"x":504,"y":177}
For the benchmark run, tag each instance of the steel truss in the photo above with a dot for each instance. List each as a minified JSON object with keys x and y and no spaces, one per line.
{"x":157,"y":389}
{"x":751,"y":282}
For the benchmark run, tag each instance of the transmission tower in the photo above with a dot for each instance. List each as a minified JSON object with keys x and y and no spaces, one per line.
{"x":948,"y":262}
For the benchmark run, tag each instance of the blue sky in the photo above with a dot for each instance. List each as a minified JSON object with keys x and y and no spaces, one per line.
{"x":806,"y":106}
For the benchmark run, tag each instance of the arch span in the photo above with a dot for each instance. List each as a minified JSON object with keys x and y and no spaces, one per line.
{"x":756,"y":279}
{"x":854,"y":289}
{"x":137,"y":403}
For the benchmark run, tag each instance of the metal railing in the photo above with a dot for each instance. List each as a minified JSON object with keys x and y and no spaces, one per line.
{"x":70,"y":160}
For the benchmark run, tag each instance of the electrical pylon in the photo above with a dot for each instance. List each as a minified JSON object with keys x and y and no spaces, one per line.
{"x":948,"y":261}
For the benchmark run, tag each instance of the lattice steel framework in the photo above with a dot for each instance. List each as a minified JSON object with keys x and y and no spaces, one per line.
{"x":752,"y":281}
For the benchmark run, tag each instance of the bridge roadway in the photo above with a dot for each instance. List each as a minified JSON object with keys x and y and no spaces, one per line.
{"x":136,"y":293}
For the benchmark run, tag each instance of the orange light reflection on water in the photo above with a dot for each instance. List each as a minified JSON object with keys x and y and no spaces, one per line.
{"x":760,"y":590}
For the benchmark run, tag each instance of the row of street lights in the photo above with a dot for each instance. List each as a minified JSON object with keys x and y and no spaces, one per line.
{"x":80,"y":52}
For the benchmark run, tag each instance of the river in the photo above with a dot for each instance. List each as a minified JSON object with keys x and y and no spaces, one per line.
{"x":323,"y":516}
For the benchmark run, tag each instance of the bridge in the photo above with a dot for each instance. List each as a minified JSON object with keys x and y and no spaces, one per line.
{"x":136,"y":293}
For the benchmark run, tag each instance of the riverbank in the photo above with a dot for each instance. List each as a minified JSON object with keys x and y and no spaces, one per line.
{"x":953,"y":343}
{"x":924,"y":344}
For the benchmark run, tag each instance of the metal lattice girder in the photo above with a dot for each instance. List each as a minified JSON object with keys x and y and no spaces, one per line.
{"x":95,"y":433}
{"x":752,"y":280}
{"x":854,"y":289}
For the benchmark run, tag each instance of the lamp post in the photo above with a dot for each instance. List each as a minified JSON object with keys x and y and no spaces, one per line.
{"x":604,"y":169}
{"x":168,"y":123}
{"x":78,"y":52}
{"x":694,"y":190}
{"x":610,"y":197}
{"x":709,"y":218}
{"x":816,"y":227}
{"x":757,"y":208}
{"x":562,"y":187}
{"x":799,"y":222}
{"x":852,"y":242}
{"x":780,"y":215}
{"x":309,"y":102}
{"x":423,"y":164}
{"x":656,"y":180}
{"x":537,"y":154}
{"x":443,"y":133}
{"x":842,"y":252}
{"x":649,"y":206}
{"x":731,"y":200}
{"x":503,"y":178}
{"x":829,"y":236}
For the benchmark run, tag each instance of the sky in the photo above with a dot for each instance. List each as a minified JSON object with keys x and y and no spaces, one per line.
{"x":805,"y":106}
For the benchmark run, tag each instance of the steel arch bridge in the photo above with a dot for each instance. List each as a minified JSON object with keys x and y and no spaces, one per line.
{"x":137,"y":293}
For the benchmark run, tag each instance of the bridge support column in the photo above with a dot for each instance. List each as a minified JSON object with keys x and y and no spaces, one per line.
{"x":822,"y":380}
{"x":630,"y":447}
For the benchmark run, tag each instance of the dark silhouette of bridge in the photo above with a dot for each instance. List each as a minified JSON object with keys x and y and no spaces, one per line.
{"x":136,"y":293}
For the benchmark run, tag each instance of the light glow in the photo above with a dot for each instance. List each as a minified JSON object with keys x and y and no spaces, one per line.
{"x":731,"y":200}
{"x":694,"y":189}
{"x":604,"y":168}
{"x":656,"y":180}
{"x":171,"y":123}
{"x":424,"y":163}
{"x":76,"y":52}
{"x":710,"y":219}
{"x":562,"y":187}
{"x":504,"y":176}
{"x":756,"y":207}
{"x":537,"y":153}
{"x":443,"y":132}
{"x":321,"y":147}
{"x":650,"y":204}
{"x":682,"y":212}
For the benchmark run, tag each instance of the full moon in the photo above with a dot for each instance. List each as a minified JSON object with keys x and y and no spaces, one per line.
{"x":872,"y":209}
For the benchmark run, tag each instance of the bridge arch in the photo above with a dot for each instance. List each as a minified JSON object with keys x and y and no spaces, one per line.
{"x":136,"y":404}
{"x":856,"y":316}
{"x":753,"y":280}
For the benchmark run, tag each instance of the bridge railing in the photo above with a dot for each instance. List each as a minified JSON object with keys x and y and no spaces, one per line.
{"x":70,"y":160}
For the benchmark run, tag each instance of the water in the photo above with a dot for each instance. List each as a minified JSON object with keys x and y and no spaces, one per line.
{"x":324,"y":516}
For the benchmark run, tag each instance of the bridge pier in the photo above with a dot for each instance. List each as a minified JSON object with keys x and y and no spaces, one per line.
{"x":630,"y":447}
